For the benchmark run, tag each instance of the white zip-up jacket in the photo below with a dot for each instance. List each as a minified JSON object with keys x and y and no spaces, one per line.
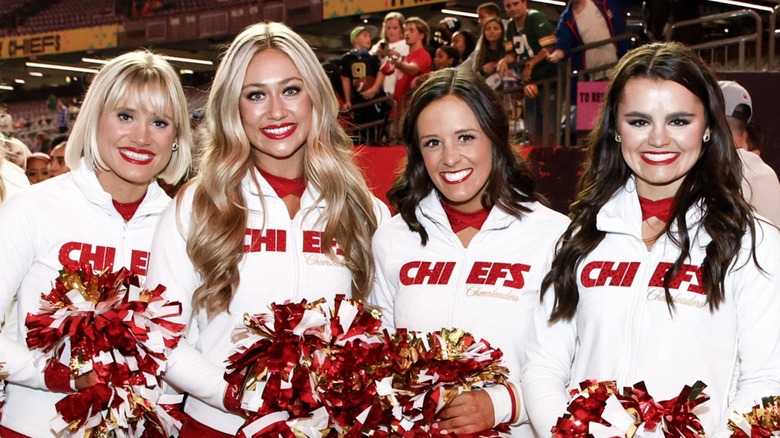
{"x":488,"y":289}
{"x":624,"y":331}
{"x":284,"y":261}
{"x":69,"y":218}
{"x":13,"y":178}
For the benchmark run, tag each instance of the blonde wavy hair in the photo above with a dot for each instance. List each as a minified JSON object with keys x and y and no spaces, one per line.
{"x":2,"y":162}
{"x":151,"y":82}
{"x":219,"y":219}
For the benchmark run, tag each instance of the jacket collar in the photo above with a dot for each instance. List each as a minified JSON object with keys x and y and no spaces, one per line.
{"x":622,"y":213}
{"x":308,"y":199}
{"x":430,"y":208}
{"x":86,"y":181}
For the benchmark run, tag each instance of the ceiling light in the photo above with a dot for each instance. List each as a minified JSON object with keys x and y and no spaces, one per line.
{"x":19,"y":81}
{"x":189,"y":60}
{"x":94,"y":61}
{"x":37,"y":74}
{"x":169,"y":58}
{"x":61,"y":67}
{"x":6,"y":87}
{"x":186,"y":71}
{"x":460,"y":13}
{"x":551,"y":2}
{"x":744,"y":5}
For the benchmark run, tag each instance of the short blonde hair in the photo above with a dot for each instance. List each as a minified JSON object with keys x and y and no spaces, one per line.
{"x":149,"y":81}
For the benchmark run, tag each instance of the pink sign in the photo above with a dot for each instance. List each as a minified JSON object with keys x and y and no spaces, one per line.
{"x":589,"y":97}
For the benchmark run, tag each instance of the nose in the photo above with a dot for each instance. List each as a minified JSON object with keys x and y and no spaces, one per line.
{"x":450,"y":155}
{"x":658,"y":136}
{"x":142,"y":134}
{"x":276,"y":108}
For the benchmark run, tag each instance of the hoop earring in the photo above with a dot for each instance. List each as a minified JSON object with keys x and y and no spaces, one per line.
{"x":618,"y":138}
{"x":175,"y":146}
{"x":706,"y":137}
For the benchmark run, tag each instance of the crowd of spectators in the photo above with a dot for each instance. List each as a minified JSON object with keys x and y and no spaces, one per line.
{"x":516,"y":49}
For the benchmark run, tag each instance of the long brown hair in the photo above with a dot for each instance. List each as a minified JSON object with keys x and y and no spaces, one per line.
{"x":714,"y":182}
{"x":511,"y":181}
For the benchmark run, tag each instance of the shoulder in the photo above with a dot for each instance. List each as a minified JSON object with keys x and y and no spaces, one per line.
{"x":391,"y":228}
{"x":752,"y":164}
{"x":545,"y":218}
{"x":381,"y":211}
{"x":392,"y":233}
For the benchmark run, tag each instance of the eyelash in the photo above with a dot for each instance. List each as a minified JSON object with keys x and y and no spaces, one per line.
{"x":675,"y":122}
{"x":289,"y":91}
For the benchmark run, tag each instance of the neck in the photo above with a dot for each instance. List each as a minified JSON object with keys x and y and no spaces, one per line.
{"x":520,"y":21}
{"x":120,"y":191}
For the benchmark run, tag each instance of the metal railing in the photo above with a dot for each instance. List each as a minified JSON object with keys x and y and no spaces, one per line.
{"x":563,"y":125}
{"x":376,"y":129}
{"x":724,"y":44}
{"x":772,"y":36}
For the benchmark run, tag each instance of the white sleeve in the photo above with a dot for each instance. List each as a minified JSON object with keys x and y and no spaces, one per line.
{"x":383,"y":292}
{"x":18,"y":231}
{"x":188,"y":370}
{"x":547,"y":367}
{"x":760,"y":186}
{"x":757,"y":296}
{"x":381,"y":211}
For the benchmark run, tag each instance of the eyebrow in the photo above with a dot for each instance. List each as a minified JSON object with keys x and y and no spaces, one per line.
{"x":458,"y":132}
{"x":670,"y":116}
{"x":282,"y":82}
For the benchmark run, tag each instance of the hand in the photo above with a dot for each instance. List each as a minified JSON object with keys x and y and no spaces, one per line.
{"x":86,"y":380}
{"x":502,"y":68}
{"x":490,"y":67}
{"x":346,"y":106}
{"x":470,"y":412}
{"x":369,"y":94}
{"x":527,"y":73}
{"x":555,"y":56}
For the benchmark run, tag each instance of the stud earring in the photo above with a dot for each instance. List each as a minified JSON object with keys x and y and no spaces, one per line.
{"x":175,"y":146}
{"x":618,"y":138}
{"x":706,"y":137}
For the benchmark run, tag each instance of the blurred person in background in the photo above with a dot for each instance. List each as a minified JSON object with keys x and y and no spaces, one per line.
{"x":57,"y":165}
{"x":760,"y":185}
{"x":37,"y":169}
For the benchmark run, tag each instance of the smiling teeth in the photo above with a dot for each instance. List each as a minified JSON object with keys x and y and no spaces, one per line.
{"x":660,"y":157}
{"x":278,"y":131}
{"x":136,"y":156}
{"x":456,"y":176}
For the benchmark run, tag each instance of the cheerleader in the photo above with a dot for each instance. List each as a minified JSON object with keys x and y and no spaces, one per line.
{"x":664,"y":275}
{"x":278,"y":211}
{"x":132,"y":129}
{"x":472,"y":240}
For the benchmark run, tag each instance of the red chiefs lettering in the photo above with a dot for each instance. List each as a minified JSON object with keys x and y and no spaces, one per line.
{"x":488,"y":273}
{"x":312,"y":243}
{"x":622,"y":274}
{"x":266,"y":240}
{"x":100,"y":257}
{"x":688,"y":274}
{"x":426,"y":273}
{"x":276,"y":241}
{"x":609,"y":273}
